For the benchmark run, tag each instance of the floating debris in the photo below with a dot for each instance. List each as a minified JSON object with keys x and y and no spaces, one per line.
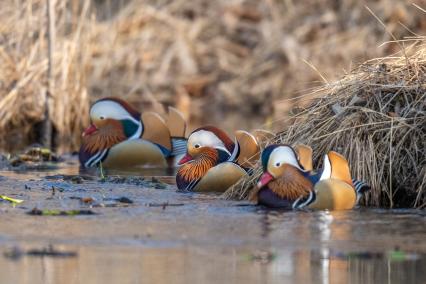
{"x":126,"y":180}
{"x":393,"y":255}
{"x":264,"y":257}
{"x":53,"y":212}
{"x":124,"y":199}
{"x":71,"y":178}
{"x":10,"y":199}
{"x":34,"y":157}
{"x":398,"y":255}
{"x":110,"y":202}
{"x":244,"y":204}
{"x":164,"y":205}
{"x":76,"y":179}
{"x":16,"y":253}
{"x":57,"y":186}
{"x":86,"y":200}
{"x":358,"y":255}
{"x":158,"y":184}
{"x":139,"y":181}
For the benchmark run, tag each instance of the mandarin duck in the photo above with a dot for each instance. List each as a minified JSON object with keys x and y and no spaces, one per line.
{"x":213,"y":162}
{"x":288,"y":180}
{"x":263,"y":137}
{"x":120,"y":137}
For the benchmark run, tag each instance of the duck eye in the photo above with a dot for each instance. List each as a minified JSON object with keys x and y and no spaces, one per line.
{"x":197,"y":146}
{"x":102,"y":117}
{"x":278,"y":164}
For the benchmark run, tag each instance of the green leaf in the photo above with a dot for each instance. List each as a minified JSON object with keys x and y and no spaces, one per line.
{"x":10,"y":199}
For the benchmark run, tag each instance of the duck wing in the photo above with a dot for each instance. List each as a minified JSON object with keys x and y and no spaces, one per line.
{"x":263,"y":137}
{"x":176,"y":123}
{"x":156,"y":130}
{"x":220,"y":178}
{"x":336,"y":167}
{"x":304,"y":153}
{"x":246,"y":151}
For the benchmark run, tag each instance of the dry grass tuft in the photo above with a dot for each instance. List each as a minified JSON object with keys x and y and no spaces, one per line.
{"x":23,"y":73}
{"x":376,"y":117}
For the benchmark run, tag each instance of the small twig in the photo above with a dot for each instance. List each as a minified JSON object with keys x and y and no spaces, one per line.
{"x":316,"y":70}
{"x":47,"y":124}
{"x":164,"y":205}
{"x":386,"y":29}
{"x":418,"y":7}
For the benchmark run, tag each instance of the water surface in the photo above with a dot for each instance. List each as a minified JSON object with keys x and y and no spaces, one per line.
{"x":169,"y":237}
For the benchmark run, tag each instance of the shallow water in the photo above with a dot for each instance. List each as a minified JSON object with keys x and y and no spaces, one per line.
{"x":170,"y":237}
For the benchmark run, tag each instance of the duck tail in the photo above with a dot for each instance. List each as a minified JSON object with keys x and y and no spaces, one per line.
{"x":177,"y":127}
{"x":178,"y":146}
{"x":361,"y":188}
{"x":304,"y":154}
{"x":156,"y":131}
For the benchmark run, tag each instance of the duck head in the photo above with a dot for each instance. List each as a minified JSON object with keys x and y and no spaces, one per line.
{"x":112,"y":121}
{"x":276,"y":159}
{"x":206,"y":139}
{"x":116,"y":114}
{"x":207,"y":147}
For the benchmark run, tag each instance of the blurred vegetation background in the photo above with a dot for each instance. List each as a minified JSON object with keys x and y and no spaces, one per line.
{"x":238,"y":64}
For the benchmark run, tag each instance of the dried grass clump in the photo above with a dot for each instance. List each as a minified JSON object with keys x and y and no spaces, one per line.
{"x":376,"y":117}
{"x":23,"y":72}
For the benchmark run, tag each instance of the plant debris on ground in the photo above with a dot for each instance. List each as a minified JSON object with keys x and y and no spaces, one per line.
{"x":33,"y":157}
{"x":10,"y":199}
{"x":16,"y":253}
{"x":53,"y":212}
{"x":139,"y":181}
